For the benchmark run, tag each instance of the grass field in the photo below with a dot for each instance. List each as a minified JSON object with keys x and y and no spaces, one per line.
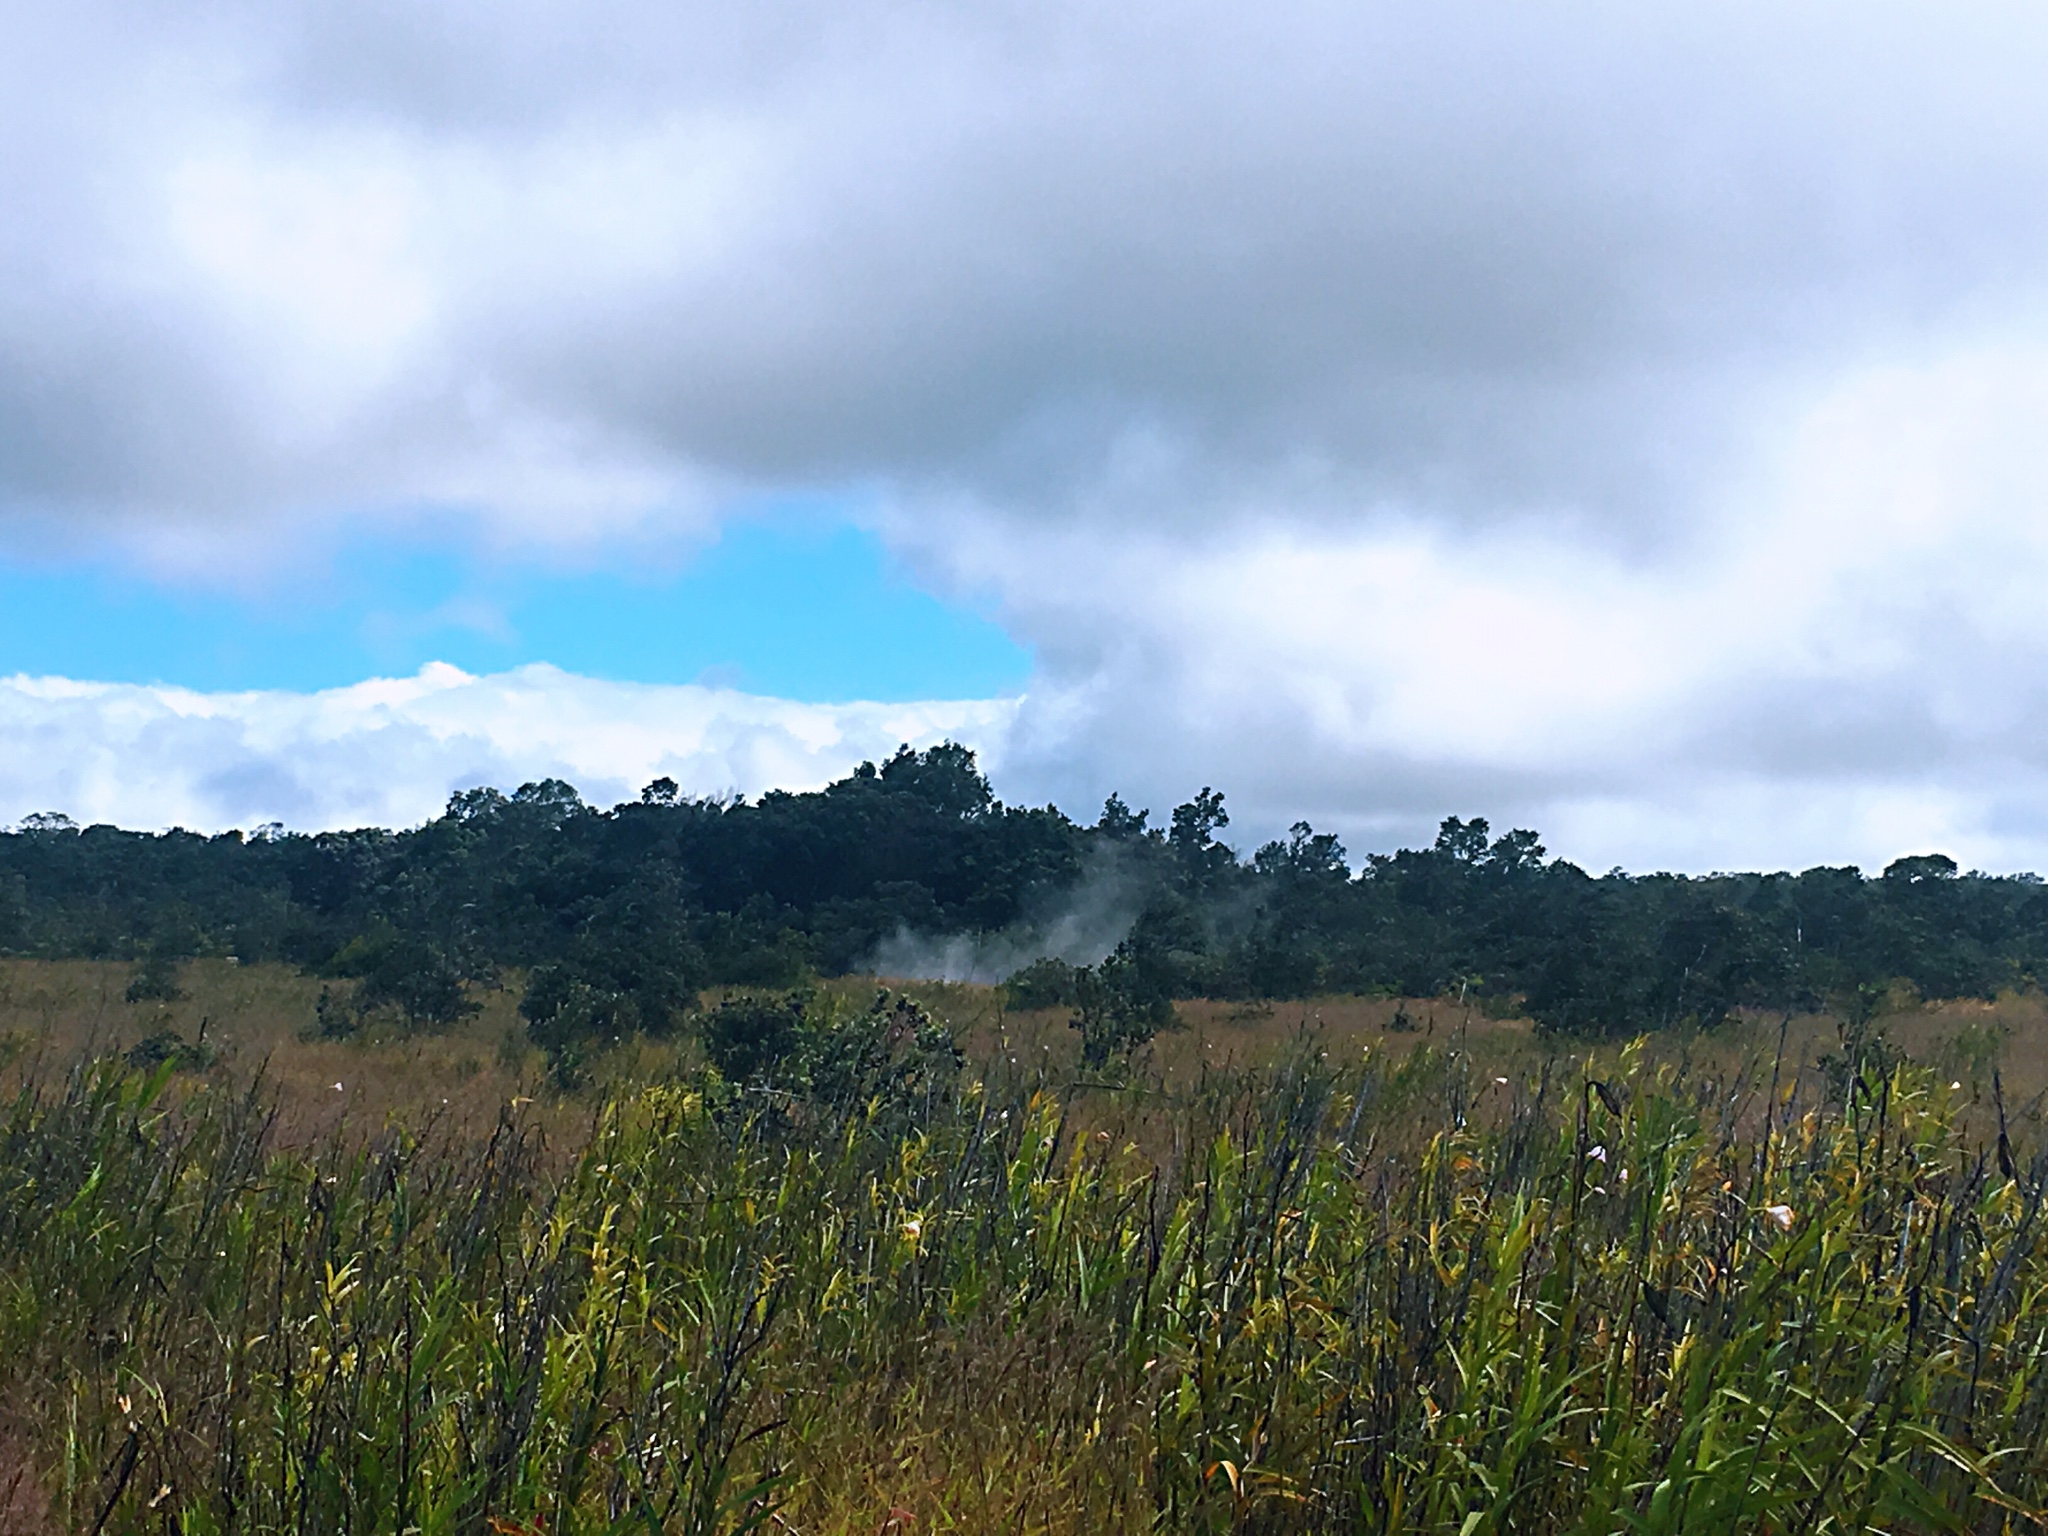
{"x":1349,"y":1265}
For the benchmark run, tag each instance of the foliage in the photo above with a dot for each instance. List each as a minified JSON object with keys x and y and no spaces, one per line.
{"x":622,"y":916}
{"x":156,"y":979}
{"x":403,"y":974}
{"x":1372,"y":1299}
{"x":632,"y":969}
{"x":1117,"y":1008}
{"x":809,"y":1048}
{"x":166,"y":1047}
{"x":890,"y":1061}
{"x":752,"y":1037}
{"x":1044,"y":983}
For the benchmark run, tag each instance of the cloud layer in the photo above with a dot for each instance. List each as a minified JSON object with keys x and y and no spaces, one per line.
{"x":390,"y":751}
{"x":571,"y":267}
{"x":1627,"y":421}
{"x":1845,"y":664}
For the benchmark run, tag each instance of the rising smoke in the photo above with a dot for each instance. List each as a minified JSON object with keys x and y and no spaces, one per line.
{"x":1079,"y":925}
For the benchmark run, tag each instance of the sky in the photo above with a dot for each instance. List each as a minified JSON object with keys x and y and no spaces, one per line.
{"x":1624,"y":421}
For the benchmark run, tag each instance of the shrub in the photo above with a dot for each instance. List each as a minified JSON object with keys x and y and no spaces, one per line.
{"x":415,"y":979}
{"x":167,"y":1045}
{"x":156,"y":979}
{"x":1115,"y":1012}
{"x":890,"y":1057}
{"x":886,"y":1057}
{"x":754,"y":1037}
{"x":1046,"y":983}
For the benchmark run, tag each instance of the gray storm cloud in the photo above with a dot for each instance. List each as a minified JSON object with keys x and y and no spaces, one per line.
{"x":1138,"y":262}
{"x":1618,"y":418}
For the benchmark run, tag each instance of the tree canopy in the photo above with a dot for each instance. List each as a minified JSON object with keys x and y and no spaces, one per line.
{"x":620,"y":916}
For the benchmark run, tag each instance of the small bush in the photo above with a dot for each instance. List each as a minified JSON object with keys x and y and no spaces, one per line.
{"x":1114,"y":1013}
{"x":1046,"y":983}
{"x":754,"y":1037}
{"x":333,"y":1018}
{"x":888,"y":1056}
{"x":636,"y":971}
{"x":156,"y":980}
{"x":417,"y":981}
{"x":167,"y":1045}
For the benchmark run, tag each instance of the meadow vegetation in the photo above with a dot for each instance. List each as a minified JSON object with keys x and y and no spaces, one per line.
{"x":841,"y":1262}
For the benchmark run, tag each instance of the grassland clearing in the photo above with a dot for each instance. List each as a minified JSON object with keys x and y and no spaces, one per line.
{"x":1344,"y":1265}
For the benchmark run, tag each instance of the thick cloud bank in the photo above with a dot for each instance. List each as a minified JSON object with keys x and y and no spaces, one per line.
{"x":573,"y":268}
{"x":1624,"y":420}
{"x":390,"y":751}
{"x":1848,"y":663}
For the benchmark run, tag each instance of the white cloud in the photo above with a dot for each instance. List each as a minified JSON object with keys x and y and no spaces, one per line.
{"x":274,"y":265}
{"x":1846,"y":663}
{"x":1621,"y":419}
{"x":388,"y":752}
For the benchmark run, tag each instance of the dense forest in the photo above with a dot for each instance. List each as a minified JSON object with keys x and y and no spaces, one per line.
{"x":619,"y":917}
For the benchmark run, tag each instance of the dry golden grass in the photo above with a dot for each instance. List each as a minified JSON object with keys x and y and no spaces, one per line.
{"x":259,"y":1020}
{"x":457,"y":1082}
{"x":1185,"y":1297}
{"x":1966,"y":1040}
{"x":1969,"y":1034}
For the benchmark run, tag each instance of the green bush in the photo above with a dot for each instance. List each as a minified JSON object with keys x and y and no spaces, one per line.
{"x":417,"y":980}
{"x":1044,"y":983}
{"x":753,"y":1037}
{"x":156,"y":979}
{"x":814,"y":1049}
{"x":167,"y":1046}
{"x":1116,"y":1010}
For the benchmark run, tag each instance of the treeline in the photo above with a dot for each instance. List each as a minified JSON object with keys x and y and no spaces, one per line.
{"x":620,"y":917}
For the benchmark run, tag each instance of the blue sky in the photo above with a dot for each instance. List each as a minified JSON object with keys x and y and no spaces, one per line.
{"x":797,"y":607}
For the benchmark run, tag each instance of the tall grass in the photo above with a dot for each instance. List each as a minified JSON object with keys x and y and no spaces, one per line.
{"x":1391,"y":1296}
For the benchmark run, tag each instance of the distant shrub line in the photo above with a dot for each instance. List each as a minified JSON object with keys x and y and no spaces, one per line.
{"x":621,"y":917}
